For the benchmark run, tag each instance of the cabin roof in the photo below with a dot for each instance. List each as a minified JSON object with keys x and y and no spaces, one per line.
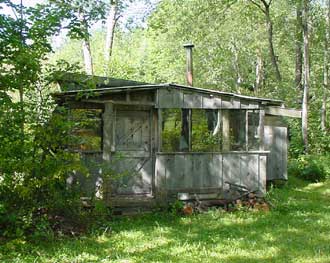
{"x":72,"y":84}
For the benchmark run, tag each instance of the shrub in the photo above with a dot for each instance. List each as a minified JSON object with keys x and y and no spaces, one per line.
{"x":313,"y":172}
{"x":176,"y":207}
{"x":311,"y":168}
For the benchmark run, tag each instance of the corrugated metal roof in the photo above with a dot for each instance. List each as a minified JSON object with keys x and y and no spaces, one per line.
{"x":104,"y":85}
{"x":70,"y":81}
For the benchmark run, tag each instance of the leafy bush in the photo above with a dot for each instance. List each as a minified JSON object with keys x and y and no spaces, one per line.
{"x":311,"y":168}
{"x":34,"y":191}
{"x":176,"y":207}
{"x":313,"y":173}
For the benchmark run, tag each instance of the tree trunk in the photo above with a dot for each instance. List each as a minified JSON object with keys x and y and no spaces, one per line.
{"x":239,"y":78}
{"x":299,"y":52}
{"x":273,"y":57}
{"x":111,"y":24}
{"x":88,"y":61}
{"x":325,"y":69}
{"x":259,"y":72}
{"x":306,"y":75}
{"x":21,"y":87}
{"x":87,"y":54}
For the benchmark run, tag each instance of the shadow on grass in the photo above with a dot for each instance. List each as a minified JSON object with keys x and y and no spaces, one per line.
{"x":296,"y":230}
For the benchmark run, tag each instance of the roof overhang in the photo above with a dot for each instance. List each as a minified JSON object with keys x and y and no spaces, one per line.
{"x":109,"y":90}
{"x":283,"y":112}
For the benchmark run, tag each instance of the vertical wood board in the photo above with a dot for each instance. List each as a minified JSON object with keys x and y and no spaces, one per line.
{"x":170,"y":98}
{"x":231,"y":169}
{"x":211,"y":102}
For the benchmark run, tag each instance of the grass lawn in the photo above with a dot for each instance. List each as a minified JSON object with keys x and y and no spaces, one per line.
{"x":296,"y":230}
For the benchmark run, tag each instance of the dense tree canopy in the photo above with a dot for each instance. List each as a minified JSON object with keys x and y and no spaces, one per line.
{"x":248,"y":47}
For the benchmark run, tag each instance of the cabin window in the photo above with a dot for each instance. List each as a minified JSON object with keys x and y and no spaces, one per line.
{"x":87,"y":129}
{"x":210,"y":130}
{"x":171,"y":130}
{"x":253,"y":130}
{"x":244,"y":130}
{"x":206,"y":130}
{"x":237,"y":126}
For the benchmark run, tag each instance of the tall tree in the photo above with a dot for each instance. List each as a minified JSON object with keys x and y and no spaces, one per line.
{"x":259,"y":72}
{"x":83,"y":14}
{"x":236,"y":65}
{"x":325,"y":67}
{"x":299,"y":44}
{"x":21,"y":87}
{"x":306,"y":74}
{"x":111,"y":24}
{"x":86,"y":48}
{"x":264,"y":6}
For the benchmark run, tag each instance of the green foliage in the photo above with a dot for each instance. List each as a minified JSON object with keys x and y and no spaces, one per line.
{"x":299,"y":213}
{"x":176,"y":207}
{"x":171,"y":132}
{"x":202,"y":138}
{"x":36,"y":188}
{"x":229,"y":38}
{"x":34,"y":161}
{"x":311,"y":168}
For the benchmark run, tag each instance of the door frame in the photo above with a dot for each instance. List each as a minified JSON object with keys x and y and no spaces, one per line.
{"x":152,"y":141}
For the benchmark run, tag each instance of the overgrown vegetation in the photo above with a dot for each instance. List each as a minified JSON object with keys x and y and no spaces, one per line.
{"x":295,"y":230}
{"x":231,"y":54}
{"x":311,"y":168}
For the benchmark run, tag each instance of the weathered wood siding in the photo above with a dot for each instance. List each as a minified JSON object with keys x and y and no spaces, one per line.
{"x":175,"y":98}
{"x":275,"y":139}
{"x":131,"y":157}
{"x":209,"y":172}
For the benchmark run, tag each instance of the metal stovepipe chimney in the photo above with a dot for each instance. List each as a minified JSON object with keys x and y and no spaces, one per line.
{"x":189,"y":72}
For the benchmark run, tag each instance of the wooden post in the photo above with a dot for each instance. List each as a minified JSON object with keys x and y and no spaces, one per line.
{"x":108,"y":131}
{"x":261,"y":131}
{"x":189,"y":73}
{"x":190,"y":129}
{"x":185,"y":140}
{"x":262,"y":173}
{"x":159,"y":129}
{"x":247,"y":130}
{"x":186,"y":119}
{"x":225,"y":131}
{"x":160,"y":180}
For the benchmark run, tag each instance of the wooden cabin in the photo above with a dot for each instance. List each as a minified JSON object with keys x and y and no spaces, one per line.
{"x":148,"y":144}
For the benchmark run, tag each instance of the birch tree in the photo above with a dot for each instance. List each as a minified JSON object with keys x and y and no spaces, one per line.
{"x":325,"y":67}
{"x":86,"y":48}
{"x":83,"y":14}
{"x":306,"y":75}
{"x":264,"y":7}
{"x":298,"y":47}
{"x":111,"y":24}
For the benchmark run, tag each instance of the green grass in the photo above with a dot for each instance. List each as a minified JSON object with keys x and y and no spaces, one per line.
{"x":296,"y":230}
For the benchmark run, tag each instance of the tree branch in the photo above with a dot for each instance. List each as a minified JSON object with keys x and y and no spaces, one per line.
{"x":117,"y":18}
{"x":258,"y":5}
{"x":267,"y":5}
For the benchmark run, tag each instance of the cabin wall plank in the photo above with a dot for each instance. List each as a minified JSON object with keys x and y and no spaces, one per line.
{"x":275,"y":140}
{"x":262,"y":174}
{"x":231,"y":171}
{"x":108,"y":127}
{"x":211,"y":102}
{"x":175,"y":98}
{"x":207,"y":172}
{"x":192,"y":100}
{"x":160,"y":179}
